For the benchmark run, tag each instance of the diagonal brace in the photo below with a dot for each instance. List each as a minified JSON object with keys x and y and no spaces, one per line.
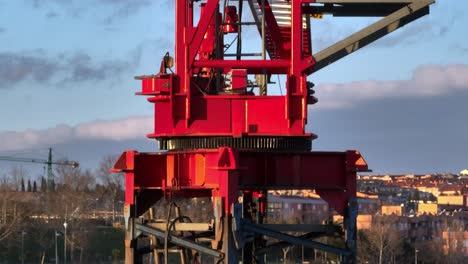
{"x":370,"y":34}
{"x":180,"y":241}
{"x":293,"y":239}
{"x":283,"y":244}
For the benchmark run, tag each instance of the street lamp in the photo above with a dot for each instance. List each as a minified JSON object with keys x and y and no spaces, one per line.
{"x":416,"y":256}
{"x":65,"y":244}
{"x":22,"y":246}
{"x":56,"y":252}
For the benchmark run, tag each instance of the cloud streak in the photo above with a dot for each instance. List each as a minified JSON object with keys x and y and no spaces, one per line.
{"x":124,"y":9}
{"x":437,"y":25}
{"x":134,"y":127}
{"x":426,"y":81}
{"x":118,"y":8}
{"x":15,"y":67}
{"x":423,"y":29}
{"x":40,"y":67}
{"x":460,"y":49}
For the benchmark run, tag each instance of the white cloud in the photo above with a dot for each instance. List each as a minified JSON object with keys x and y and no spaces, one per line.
{"x":427,"y":80}
{"x":118,"y":130}
{"x":124,"y":129}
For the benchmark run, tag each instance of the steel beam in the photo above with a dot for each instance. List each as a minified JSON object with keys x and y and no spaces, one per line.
{"x":301,"y":227}
{"x":356,"y":41}
{"x":366,"y":1}
{"x":179,"y":241}
{"x":195,"y":227}
{"x":350,"y":225}
{"x":293,"y":239}
{"x":252,"y":66}
{"x":365,"y":10}
{"x":283,"y":244}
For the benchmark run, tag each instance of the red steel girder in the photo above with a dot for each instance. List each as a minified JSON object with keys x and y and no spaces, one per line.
{"x":226,"y":171}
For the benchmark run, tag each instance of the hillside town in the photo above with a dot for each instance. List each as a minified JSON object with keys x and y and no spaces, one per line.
{"x":399,"y":216}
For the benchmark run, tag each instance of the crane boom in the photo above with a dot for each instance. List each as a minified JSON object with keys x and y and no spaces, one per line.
{"x":74,"y":164}
{"x":49,"y":162}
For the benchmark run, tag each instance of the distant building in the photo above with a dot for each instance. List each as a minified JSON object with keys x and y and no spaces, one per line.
{"x":464,"y":172}
{"x":367,"y":204}
{"x":364,"y":222}
{"x":392,"y":210}
{"x":427,"y":208}
{"x":428,"y":188}
{"x":457,"y":200}
{"x":302,"y":209}
{"x":454,"y":189}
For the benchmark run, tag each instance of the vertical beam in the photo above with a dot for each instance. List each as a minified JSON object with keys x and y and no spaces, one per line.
{"x":228,"y":241}
{"x":239,"y":31}
{"x":129,"y":235}
{"x":195,"y":40}
{"x":180,"y":12}
{"x":225,"y":197}
{"x":296,"y":43}
{"x":263,"y":88}
{"x":50,"y":174}
{"x":223,"y":240}
{"x":294,"y":76}
{"x":247,"y":250}
{"x":351,"y":230}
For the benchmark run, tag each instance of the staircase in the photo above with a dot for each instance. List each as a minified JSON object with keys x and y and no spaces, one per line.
{"x":278,"y":28}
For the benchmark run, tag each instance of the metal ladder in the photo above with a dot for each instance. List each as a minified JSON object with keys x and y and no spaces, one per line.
{"x":281,"y":10}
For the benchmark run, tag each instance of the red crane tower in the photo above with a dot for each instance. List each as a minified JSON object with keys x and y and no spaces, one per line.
{"x":223,"y":136}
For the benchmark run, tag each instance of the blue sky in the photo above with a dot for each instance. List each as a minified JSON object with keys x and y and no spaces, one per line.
{"x":67,"y":67}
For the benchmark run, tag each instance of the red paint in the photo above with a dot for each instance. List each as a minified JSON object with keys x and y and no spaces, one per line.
{"x":186,"y":104}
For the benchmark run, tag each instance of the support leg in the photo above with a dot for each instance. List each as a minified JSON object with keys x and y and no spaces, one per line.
{"x":129,"y":235}
{"x":248,"y":208}
{"x":351,"y":230}
{"x":224,"y":233}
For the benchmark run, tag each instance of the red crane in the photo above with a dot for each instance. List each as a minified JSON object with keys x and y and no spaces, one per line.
{"x":226,"y":138}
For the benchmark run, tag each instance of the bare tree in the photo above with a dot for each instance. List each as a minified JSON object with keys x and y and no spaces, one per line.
{"x":73,"y":178}
{"x":17,"y":173}
{"x":13,"y":204}
{"x":382,"y":243}
{"x":113,"y":182}
{"x":71,"y":202}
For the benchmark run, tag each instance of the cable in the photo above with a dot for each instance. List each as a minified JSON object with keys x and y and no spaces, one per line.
{"x":230,"y":44}
{"x":239,"y":32}
{"x":166,"y":235}
{"x":279,"y":84}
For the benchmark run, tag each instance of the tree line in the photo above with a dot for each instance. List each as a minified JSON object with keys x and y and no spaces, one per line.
{"x":79,"y":198}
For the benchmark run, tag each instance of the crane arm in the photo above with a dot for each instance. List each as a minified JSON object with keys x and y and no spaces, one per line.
{"x":74,"y":164}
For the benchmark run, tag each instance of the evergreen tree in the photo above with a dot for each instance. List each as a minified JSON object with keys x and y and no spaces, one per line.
{"x":29,"y":186}
{"x":34,"y":186}
{"x":43,"y":184}
{"x":52,"y":186}
{"x":22,"y":184}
